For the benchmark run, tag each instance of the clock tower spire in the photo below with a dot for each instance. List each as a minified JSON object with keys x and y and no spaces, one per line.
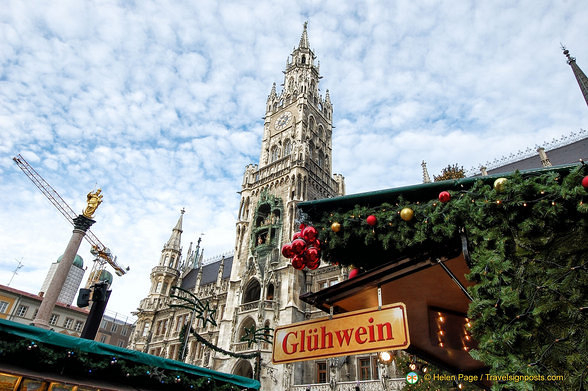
{"x":294,"y":165}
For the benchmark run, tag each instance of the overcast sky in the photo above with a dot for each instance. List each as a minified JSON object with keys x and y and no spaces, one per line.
{"x":160,"y":104}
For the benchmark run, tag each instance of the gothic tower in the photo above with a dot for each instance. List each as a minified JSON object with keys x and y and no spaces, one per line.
{"x":294,"y":165}
{"x":580,"y":76}
{"x":153,"y":310}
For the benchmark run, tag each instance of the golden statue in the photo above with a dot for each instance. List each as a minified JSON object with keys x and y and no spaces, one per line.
{"x":94,"y":199}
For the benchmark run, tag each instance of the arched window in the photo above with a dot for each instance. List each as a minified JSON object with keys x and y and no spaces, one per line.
{"x":252,"y":292}
{"x":275,"y":154}
{"x":321,"y":159}
{"x":270,"y":292}
{"x":243,"y":368}
{"x":311,"y":124}
{"x":304,"y":59}
{"x":320,"y":131}
{"x":287,"y":147}
{"x":248,"y":323}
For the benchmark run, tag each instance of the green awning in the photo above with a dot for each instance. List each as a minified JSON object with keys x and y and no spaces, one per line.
{"x":414,"y":192}
{"x":48,"y":337}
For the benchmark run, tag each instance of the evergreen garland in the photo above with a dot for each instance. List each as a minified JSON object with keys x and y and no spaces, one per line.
{"x":528,"y":241}
{"x":44,"y":358}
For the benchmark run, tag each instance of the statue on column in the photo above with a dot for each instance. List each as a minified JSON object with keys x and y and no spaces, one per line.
{"x":93,"y":200}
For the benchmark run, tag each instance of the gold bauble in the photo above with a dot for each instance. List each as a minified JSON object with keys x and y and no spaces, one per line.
{"x":336,"y":227}
{"x":406,"y":214}
{"x":499,"y":184}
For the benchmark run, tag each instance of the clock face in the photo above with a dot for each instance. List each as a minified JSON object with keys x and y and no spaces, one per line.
{"x":283,"y":120}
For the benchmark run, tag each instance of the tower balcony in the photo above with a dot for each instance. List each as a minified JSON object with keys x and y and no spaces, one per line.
{"x":256,"y":305}
{"x":242,"y":347}
{"x":164,"y":270}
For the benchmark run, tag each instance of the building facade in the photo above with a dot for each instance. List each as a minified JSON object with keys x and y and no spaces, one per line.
{"x":256,"y":287}
{"x":21,"y":307}
{"x":72,"y":282}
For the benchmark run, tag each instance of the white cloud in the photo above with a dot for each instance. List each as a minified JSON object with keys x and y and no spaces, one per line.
{"x":161,"y":104}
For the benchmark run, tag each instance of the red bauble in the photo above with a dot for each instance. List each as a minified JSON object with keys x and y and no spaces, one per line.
{"x":353,"y":273}
{"x":371,"y":220}
{"x":298,"y":246}
{"x":302,"y":226}
{"x":296,"y":235}
{"x":313,"y":264}
{"x":287,"y":250}
{"x":444,"y":196}
{"x":298,"y":262}
{"x":309,"y":234}
{"x":312,"y":254}
{"x":316,"y":244}
{"x":585,"y":182}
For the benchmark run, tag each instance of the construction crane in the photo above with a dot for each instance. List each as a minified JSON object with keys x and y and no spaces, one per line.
{"x":101,"y":252}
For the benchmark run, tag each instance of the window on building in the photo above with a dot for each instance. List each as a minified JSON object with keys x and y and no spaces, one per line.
{"x":323,"y":284}
{"x":79,"y":326}
{"x":275,"y":153}
{"x":103,"y":338}
{"x":3,"y":306}
{"x":22,"y":311}
{"x":146,"y":329}
{"x":114,"y":327}
{"x":287,"y":147}
{"x":321,"y":159}
{"x":252,"y":291}
{"x":367,"y":368}
{"x":124,"y":331}
{"x":68,"y":324}
{"x":53,"y":320}
{"x":104,"y":324}
{"x":173,"y":352}
{"x":121,"y":344}
{"x":321,"y":372}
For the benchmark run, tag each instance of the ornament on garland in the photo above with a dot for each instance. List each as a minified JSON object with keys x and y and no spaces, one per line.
{"x":406,"y":214}
{"x":371,"y":220}
{"x":444,"y":196}
{"x":585,"y":182}
{"x":304,"y":249}
{"x":499,"y":184}
{"x":336,"y":227}
{"x":353,"y":273}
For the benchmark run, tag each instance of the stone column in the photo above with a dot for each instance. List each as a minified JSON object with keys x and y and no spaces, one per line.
{"x":81,"y":225}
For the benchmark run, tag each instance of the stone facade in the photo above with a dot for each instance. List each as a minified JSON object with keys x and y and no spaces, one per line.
{"x":256,"y":286}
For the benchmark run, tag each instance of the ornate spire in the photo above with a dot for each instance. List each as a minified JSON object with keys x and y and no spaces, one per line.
{"x":176,"y":236}
{"x":580,"y":76}
{"x":426,"y":177}
{"x":327,"y":97}
{"x":304,"y":38}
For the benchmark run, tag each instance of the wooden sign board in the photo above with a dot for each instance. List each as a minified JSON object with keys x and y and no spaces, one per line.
{"x":363,"y":331}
